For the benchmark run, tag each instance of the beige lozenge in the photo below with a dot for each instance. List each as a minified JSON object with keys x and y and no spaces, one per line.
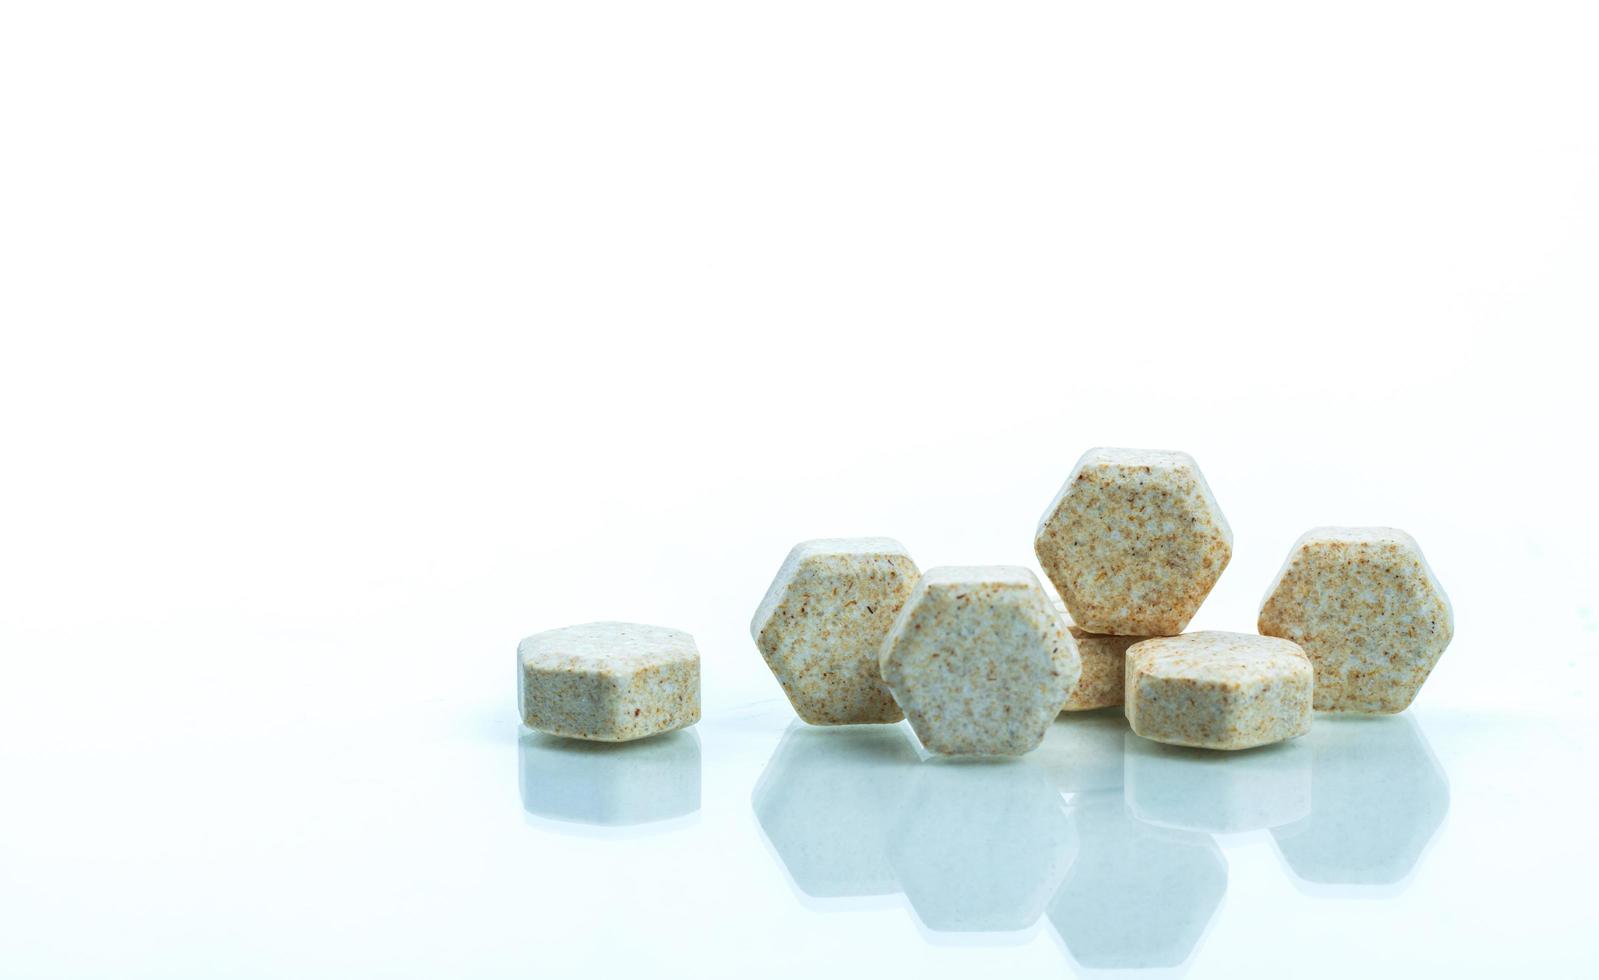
{"x":1367,"y":610}
{"x":1133,"y":542}
{"x":609,"y":682}
{"x":1104,"y":674}
{"x":822,"y":622}
{"x":1217,"y":690}
{"x":980,"y":661}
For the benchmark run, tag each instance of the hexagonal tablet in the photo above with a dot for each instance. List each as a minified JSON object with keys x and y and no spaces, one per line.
{"x":822,"y":623}
{"x":610,"y":682}
{"x":1216,"y":690}
{"x":1134,"y":542}
{"x":980,"y":661}
{"x":1104,"y":675}
{"x":1368,"y":611}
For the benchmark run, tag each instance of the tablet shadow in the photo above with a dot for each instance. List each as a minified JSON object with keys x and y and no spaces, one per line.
{"x":976,"y":846}
{"x":981,"y":846}
{"x":1138,"y":896}
{"x":827,"y":801}
{"x":606,"y":784}
{"x":1377,"y":798}
{"x":1218,"y":792}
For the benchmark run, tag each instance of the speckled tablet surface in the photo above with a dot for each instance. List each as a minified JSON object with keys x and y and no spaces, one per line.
{"x":1104,"y":673}
{"x":980,"y":661}
{"x":1218,"y":690}
{"x":1133,"y":542}
{"x":822,"y":623}
{"x":1368,"y":611}
{"x":610,"y":682}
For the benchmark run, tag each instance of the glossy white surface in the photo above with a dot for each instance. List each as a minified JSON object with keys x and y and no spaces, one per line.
{"x":428,"y":838}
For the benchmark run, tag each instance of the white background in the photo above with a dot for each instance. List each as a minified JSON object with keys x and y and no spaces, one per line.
{"x":344,"y":344}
